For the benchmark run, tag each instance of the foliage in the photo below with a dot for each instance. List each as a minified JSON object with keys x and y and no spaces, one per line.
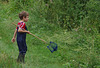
{"x":72,"y":24}
{"x":69,"y":14}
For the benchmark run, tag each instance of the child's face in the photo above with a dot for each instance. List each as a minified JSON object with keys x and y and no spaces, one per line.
{"x":26,"y":18}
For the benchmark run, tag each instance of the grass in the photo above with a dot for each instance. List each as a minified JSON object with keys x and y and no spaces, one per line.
{"x":71,"y":53}
{"x":76,"y":49}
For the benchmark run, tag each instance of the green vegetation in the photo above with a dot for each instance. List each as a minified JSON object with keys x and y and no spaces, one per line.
{"x":72,"y":24}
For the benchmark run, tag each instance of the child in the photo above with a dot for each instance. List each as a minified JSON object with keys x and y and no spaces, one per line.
{"x":21,"y":31}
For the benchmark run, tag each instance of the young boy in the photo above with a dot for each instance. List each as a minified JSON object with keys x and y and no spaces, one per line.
{"x":21,"y":31}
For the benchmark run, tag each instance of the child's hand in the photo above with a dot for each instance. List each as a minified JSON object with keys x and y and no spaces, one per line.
{"x":13,"y":40}
{"x":28,"y":32}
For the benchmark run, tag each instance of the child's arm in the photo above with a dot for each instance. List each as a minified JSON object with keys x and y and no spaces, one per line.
{"x":25,"y":31}
{"x":22,"y":28}
{"x":13,"y":39}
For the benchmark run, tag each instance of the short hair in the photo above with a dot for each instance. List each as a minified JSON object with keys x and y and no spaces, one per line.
{"x":23,"y":14}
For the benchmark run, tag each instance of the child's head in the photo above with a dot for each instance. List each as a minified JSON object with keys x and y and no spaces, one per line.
{"x":24,"y":16}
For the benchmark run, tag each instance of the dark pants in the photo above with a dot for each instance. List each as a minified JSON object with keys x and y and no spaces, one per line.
{"x":22,"y":50}
{"x":22,"y":46}
{"x":21,"y":42}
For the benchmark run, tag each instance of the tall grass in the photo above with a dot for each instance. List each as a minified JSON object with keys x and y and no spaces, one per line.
{"x":78,"y":48}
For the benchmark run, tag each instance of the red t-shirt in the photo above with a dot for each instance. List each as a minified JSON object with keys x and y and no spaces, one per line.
{"x":21,"y":25}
